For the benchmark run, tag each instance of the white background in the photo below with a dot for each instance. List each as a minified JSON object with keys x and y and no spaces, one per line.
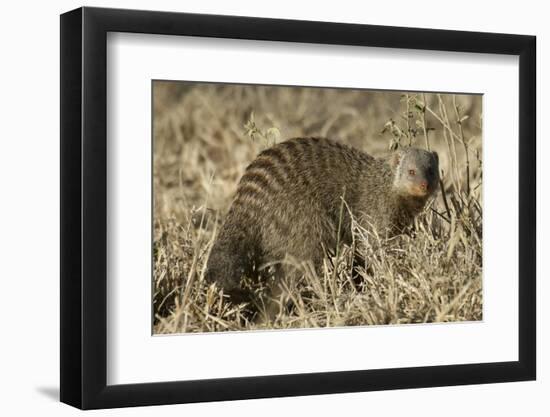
{"x":133,"y":60}
{"x":29,"y":177}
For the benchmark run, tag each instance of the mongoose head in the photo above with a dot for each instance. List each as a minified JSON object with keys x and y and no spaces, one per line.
{"x":416,"y":172}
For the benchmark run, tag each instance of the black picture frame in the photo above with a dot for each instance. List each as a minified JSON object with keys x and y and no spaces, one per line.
{"x":84,"y":207}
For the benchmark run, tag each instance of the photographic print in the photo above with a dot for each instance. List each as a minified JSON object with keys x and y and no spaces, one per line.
{"x":282,"y":207}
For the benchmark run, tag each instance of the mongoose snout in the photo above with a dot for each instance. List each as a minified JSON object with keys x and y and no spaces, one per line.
{"x":289,"y":203}
{"x":417,"y":172}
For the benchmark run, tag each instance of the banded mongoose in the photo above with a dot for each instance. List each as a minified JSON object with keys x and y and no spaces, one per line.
{"x":289,"y":202}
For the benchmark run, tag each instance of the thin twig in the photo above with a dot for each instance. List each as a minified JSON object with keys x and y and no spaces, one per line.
{"x":424,"y":126}
{"x":444,"y":197}
{"x":459,"y":122}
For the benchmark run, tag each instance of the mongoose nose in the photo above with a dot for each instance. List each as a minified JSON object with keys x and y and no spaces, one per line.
{"x":424,"y":185}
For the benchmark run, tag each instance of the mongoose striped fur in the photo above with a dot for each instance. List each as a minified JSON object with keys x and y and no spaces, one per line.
{"x":289,"y":200}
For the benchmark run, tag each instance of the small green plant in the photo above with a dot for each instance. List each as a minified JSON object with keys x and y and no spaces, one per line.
{"x":268,"y":137}
{"x":412,"y":122}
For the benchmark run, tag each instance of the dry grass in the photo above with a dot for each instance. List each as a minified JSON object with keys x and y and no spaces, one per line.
{"x":204,"y":137}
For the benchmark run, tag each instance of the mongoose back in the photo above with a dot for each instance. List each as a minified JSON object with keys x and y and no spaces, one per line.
{"x":289,"y":200}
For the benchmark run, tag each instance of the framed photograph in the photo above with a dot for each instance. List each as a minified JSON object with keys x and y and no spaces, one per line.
{"x":258,"y":208}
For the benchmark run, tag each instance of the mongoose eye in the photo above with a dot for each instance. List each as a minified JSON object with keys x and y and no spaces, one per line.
{"x":412,"y":172}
